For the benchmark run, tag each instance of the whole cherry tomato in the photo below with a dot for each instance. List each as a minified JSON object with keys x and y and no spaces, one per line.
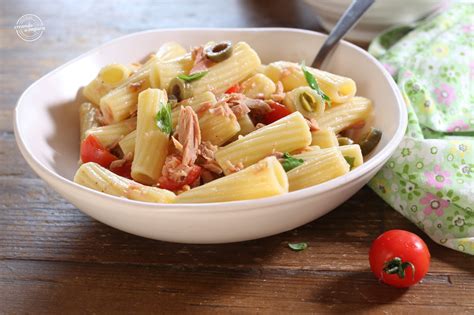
{"x":399,"y":258}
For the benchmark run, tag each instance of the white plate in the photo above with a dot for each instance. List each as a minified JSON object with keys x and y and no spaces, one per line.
{"x":47,"y":133}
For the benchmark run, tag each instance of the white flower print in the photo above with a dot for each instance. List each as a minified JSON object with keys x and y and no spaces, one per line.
{"x":387,"y":173}
{"x":400,"y":204}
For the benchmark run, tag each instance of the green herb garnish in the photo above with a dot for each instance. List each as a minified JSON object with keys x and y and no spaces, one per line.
{"x":290,"y":162}
{"x":350,"y":160}
{"x":314,"y":84}
{"x":297,"y":247}
{"x":163,"y":119}
{"x":192,"y":77}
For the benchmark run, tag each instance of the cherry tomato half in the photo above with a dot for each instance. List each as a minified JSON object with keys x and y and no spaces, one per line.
{"x":233,"y":89}
{"x":172,"y":185}
{"x":93,"y":151}
{"x":399,"y":258}
{"x":278,"y":111}
{"x":124,"y":170}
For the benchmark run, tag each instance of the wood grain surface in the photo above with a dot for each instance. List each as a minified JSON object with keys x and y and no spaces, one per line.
{"x":56,"y":260}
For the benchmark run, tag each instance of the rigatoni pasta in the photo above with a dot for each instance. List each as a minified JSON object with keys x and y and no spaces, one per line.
{"x":340,"y":89}
{"x":286,"y":134}
{"x":151,"y":144}
{"x":96,"y":177}
{"x":263,"y":179}
{"x":215,"y":125}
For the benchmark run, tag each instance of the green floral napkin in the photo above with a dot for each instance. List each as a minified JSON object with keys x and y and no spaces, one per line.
{"x":430,"y":177}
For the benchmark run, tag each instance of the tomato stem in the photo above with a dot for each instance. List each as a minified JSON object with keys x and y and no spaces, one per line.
{"x":397,"y":266}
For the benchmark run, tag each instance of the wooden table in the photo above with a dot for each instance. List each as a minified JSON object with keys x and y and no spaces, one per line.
{"x":54,"y":259}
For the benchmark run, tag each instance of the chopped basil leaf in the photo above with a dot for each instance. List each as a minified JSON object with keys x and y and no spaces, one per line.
{"x":350,"y":161}
{"x":298,"y":246}
{"x":192,"y":77}
{"x":314,"y":84}
{"x":290,"y":162}
{"x":163,"y":119}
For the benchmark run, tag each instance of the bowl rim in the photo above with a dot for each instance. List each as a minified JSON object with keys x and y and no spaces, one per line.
{"x":242,"y":205}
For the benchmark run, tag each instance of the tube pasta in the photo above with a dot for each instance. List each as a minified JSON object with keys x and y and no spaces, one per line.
{"x":88,"y":118}
{"x":284,"y":135}
{"x":151,"y":146}
{"x":246,"y":125}
{"x":258,"y":86}
{"x":221,"y":76}
{"x":127,"y":144}
{"x":343,"y":116}
{"x":162,"y":72}
{"x":169,"y":51}
{"x":351,"y":150}
{"x":218,"y":128}
{"x":306,"y":101}
{"x":325,"y":167}
{"x":109,"y":135}
{"x":324,"y":138}
{"x":96,"y":177}
{"x":339,"y":89}
{"x":263,"y":179}
{"x":224,"y":150}
{"x":195,"y":102}
{"x":108,"y":78}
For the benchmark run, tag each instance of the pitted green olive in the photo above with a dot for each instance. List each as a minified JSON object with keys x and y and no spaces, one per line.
{"x":219,"y":52}
{"x":370,"y":141}
{"x":344,"y":141}
{"x":180,"y":89}
{"x":308,"y":102}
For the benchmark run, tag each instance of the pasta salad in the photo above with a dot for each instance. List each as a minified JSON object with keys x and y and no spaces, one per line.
{"x":215,"y":125}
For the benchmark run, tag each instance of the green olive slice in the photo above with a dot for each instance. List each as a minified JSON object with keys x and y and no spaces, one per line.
{"x":180,"y":89}
{"x":308,"y":102}
{"x":219,"y":52}
{"x":345,"y":141}
{"x":370,"y":141}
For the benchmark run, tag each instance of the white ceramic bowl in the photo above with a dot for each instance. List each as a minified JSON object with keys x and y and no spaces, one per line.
{"x":47,"y":133}
{"x":382,"y":15}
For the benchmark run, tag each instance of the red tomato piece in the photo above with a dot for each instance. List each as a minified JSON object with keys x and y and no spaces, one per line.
{"x":399,"y":258}
{"x":93,"y":151}
{"x":125,"y":170}
{"x":278,"y":111}
{"x":233,"y":89}
{"x":172,"y":185}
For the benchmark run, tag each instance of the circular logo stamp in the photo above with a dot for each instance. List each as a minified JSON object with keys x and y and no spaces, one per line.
{"x":29,"y":27}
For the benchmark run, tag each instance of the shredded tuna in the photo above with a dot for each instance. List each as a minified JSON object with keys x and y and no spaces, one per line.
{"x":132,"y":190}
{"x":136,"y":86}
{"x":207,"y":159}
{"x":234,"y":168}
{"x":204,"y":108}
{"x":223,"y":110}
{"x":277,"y":154}
{"x":207,"y":150}
{"x":279,"y":94}
{"x":189,"y":135}
{"x":207,"y":176}
{"x":177,"y":145}
{"x":201,"y":62}
{"x":213,"y":167}
{"x":312,"y":124}
{"x":357,"y":125}
{"x":174,"y":169}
